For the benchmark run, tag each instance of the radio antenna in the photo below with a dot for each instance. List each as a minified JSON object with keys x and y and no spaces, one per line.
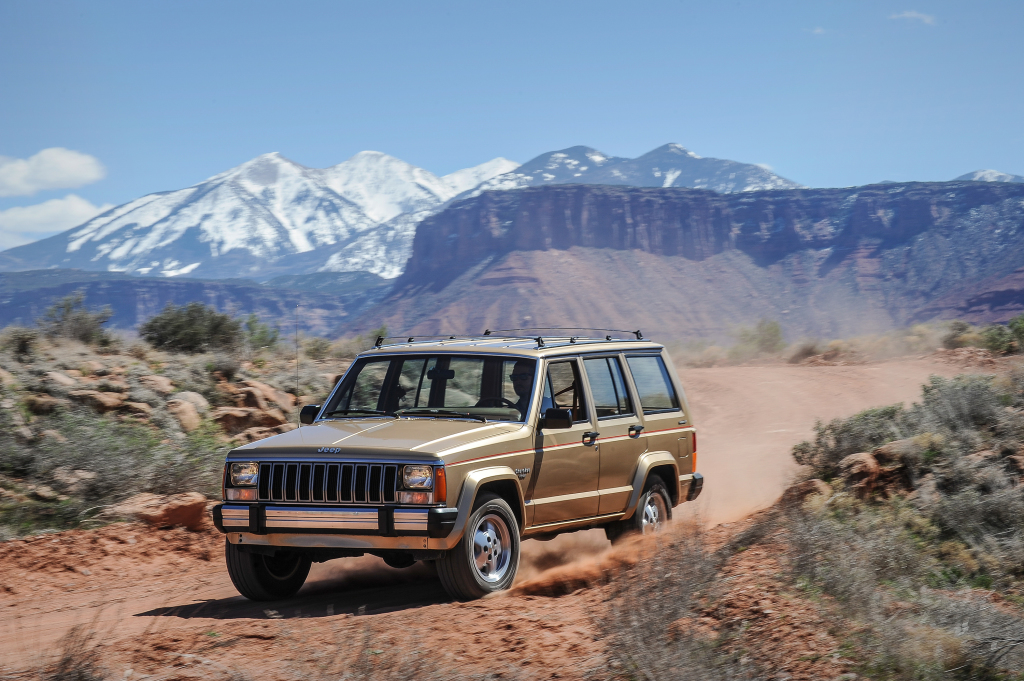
{"x":297,"y":407}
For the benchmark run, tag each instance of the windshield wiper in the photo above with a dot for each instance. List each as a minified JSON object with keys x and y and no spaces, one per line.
{"x":359,"y":411}
{"x":428,"y":411}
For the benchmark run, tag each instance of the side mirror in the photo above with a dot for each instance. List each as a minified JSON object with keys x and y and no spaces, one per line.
{"x":308,"y":413}
{"x":556,"y":419}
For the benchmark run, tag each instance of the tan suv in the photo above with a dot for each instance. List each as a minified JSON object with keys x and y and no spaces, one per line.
{"x":454,"y":451}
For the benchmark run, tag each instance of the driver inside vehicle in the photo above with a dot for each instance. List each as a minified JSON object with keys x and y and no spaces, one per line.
{"x":522,"y":383}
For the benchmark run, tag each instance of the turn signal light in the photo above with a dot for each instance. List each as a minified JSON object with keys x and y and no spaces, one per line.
{"x":694,"y":458}
{"x":440,"y":485}
{"x":245,"y":494}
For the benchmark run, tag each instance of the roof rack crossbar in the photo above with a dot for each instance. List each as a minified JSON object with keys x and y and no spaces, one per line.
{"x":510,"y":334}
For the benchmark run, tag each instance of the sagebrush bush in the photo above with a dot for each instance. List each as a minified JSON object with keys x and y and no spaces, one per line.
{"x":68,"y":318}
{"x":19,"y":341}
{"x":317,"y":348}
{"x":839,"y":438}
{"x":191,"y":328}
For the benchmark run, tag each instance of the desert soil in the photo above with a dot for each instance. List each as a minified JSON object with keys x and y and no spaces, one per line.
{"x":162,"y":604}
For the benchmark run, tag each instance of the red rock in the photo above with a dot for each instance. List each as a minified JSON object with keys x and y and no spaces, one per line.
{"x":60,"y":378}
{"x":250,"y":397}
{"x":138,"y":408}
{"x":188,"y":509}
{"x":160,"y":384}
{"x":233,"y":420}
{"x":100,"y":401}
{"x":860,"y":472}
{"x":186,"y":414}
{"x":795,"y":494}
{"x":41,"y":404}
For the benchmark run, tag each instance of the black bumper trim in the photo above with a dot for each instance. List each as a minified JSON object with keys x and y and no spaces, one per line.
{"x":696,"y":485}
{"x":441,"y":522}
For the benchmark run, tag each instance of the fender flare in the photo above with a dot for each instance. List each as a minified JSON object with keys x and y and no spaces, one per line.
{"x":646,"y":463}
{"x":468,"y":493}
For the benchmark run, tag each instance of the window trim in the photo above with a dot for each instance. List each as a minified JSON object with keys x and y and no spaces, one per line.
{"x":626,"y":378}
{"x":671,"y":383}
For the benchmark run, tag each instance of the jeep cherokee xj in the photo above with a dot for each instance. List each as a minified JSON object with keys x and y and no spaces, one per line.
{"x":454,"y":451}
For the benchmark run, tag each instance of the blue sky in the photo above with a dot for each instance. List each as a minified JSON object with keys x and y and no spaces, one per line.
{"x":164,"y":94}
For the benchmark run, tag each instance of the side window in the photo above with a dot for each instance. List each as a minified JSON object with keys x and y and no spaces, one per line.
{"x":653,"y":385}
{"x":607,"y":387}
{"x":562,"y":390}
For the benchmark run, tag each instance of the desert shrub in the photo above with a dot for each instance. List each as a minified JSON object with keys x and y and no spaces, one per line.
{"x":138,"y":351}
{"x":808,"y":348}
{"x":648,"y":605}
{"x":68,"y":318}
{"x":1016,"y":327}
{"x":78,"y":658}
{"x":19,"y":341}
{"x":350,"y":347}
{"x":191,"y":328}
{"x":260,"y":336}
{"x":226,"y":365}
{"x":959,"y":405}
{"x":839,"y":438}
{"x":317,"y":348}
{"x":954,"y":336}
{"x":998,"y":339}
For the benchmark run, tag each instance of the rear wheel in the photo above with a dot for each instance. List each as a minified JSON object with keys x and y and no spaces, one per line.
{"x":266,"y":578}
{"x":487,"y":557}
{"x":652,"y":512}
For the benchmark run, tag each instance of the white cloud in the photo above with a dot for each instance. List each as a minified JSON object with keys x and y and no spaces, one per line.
{"x":23,"y":224}
{"x":818,"y":30}
{"x":915,"y":16}
{"x":765,"y":166}
{"x":53,"y":168}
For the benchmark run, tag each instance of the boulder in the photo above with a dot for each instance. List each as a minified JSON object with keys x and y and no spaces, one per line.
{"x":253,"y":434}
{"x":138,"y":408}
{"x":282,"y":399}
{"x":72,"y":481}
{"x":61,"y":379}
{"x":233,"y":420}
{"x":860,"y":471}
{"x":186,"y":414}
{"x":100,"y":401}
{"x":7,"y":378}
{"x":271,"y":418}
{"x":250,"y":397}
{"x":197,"y":400}
{"x":44,"y":493}
{"x":94,"y":367}
{"x":188,"y":509}
{"x":24,"y":434}
{"x":55,"y":436}
{"x":795,"y":494}
{"x":982,"y":457}
{"x":41,"y":403}
{"x":1016,"y":462}
{"x":158,"y":384}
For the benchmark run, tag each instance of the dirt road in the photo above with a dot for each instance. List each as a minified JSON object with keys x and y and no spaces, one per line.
{"x":162,"y":603}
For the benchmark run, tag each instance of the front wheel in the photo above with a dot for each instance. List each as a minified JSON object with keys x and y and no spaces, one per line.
{"x":487,"y":557}
{"x":652,"y":512}
{"x":266,"y":578}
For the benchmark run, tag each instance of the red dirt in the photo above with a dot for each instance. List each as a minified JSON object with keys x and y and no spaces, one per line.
{"x":161,"y":602}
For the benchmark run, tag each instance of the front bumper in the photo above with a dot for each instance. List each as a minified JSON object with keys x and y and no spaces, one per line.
{"x":382,"y":522}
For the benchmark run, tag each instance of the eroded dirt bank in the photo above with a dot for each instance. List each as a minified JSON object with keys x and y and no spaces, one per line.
{"x":162,"y":604}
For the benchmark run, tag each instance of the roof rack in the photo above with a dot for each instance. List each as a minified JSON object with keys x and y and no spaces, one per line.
{"x":542,"y":340}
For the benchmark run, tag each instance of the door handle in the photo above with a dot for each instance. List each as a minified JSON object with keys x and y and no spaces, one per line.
{"x":590,"y":435}
{"x":634,"y":431}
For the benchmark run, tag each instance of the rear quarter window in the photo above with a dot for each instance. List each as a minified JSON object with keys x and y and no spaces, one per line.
{"x":653,"y":385}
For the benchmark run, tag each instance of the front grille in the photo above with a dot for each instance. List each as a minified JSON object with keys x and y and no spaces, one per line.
{"x":332,"y":483}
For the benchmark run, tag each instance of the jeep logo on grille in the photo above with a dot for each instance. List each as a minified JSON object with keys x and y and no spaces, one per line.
{"x":328,"y":450}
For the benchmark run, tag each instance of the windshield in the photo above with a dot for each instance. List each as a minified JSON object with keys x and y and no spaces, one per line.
{"x":479,"y":387}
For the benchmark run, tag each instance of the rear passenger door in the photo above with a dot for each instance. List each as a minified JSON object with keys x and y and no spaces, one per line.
{"x":664,"y":419}
{"x":569,"y":463}
{"x":621,"y":440}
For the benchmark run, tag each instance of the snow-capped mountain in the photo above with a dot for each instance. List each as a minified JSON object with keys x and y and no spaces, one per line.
{"x":670,"y":165}
{"x":990,"y":176}
{"x":265,"y":217}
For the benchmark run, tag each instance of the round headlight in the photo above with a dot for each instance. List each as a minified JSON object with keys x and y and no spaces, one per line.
{"x":418,"y":477}
{"x":244,"y":474}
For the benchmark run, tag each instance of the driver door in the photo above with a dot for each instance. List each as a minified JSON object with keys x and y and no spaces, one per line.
{"x":569,"y":461}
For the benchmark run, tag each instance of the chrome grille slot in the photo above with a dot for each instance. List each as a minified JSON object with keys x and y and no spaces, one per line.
{"x":305,"y":482}
{"x":319,"y":482}
{"x":331,"y":485}
{"x":347,"y":481}
{"x":374,"y":489}
{"x":266,"y":474}
{"x":313,"y":482}
{"x":277,"y":487}
{"x":291,"y":482}
{"x":390,"y":481}
{"x":361,"y":480}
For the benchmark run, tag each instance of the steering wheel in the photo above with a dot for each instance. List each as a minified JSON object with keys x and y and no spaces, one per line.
{"x":496,"y":402}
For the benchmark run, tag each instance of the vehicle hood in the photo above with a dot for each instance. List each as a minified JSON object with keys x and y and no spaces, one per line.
{"x":384,"y":437}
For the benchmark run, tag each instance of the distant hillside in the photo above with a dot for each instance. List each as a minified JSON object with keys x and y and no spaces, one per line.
{"x":686,"y":263}
{"x":24,"y":297}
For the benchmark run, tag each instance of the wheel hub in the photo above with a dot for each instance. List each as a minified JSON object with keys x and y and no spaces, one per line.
{"x":491,"y":543}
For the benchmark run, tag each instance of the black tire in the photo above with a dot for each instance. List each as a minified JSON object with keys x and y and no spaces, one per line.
{"x":491,"y":534}
{"x":654,"y":498}
{"x":266,"y":578}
